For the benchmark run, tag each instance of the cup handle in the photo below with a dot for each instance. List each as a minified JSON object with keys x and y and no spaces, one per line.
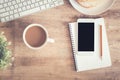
{"x":50,"y":40}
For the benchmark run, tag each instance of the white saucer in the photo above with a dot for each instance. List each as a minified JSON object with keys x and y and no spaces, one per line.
{"x":93,"y":11}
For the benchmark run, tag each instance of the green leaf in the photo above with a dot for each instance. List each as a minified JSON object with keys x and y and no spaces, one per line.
{"x":5,"y":53}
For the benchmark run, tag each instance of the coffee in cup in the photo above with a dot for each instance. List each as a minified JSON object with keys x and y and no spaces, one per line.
{"x":35,"y":36}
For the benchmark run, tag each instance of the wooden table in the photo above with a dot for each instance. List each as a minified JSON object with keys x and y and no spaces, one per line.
{"x":55,"y":61}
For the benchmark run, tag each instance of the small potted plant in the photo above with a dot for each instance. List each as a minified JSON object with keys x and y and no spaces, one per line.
{"x":5,"y":53}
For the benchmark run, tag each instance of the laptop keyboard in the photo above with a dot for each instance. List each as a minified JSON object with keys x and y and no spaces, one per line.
{"x":13,"y":9}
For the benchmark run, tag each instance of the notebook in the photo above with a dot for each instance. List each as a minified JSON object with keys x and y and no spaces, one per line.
{"x":84,"y":63}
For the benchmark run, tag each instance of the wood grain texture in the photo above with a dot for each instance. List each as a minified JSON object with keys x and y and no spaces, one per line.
{"x":55,"y":61}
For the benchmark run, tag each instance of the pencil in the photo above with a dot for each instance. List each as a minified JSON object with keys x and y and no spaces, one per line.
{"x":101,"y":54}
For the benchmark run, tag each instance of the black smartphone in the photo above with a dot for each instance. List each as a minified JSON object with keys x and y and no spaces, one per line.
{"x":86,"y":36}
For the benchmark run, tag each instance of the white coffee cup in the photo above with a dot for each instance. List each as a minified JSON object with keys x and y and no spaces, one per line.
{"x":38,"y":33}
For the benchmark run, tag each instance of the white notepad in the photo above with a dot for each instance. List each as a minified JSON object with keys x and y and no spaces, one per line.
{"x":84,"y":63}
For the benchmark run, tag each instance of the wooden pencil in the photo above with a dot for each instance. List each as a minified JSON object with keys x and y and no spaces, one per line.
{"x":101,"y":41}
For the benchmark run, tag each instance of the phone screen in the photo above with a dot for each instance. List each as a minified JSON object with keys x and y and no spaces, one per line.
{"x":85,"y":36}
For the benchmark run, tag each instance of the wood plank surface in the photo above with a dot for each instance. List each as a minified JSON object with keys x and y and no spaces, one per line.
{"x":55,"y":60}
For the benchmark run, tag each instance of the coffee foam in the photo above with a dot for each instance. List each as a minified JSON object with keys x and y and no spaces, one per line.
{"x":35,"y":36}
